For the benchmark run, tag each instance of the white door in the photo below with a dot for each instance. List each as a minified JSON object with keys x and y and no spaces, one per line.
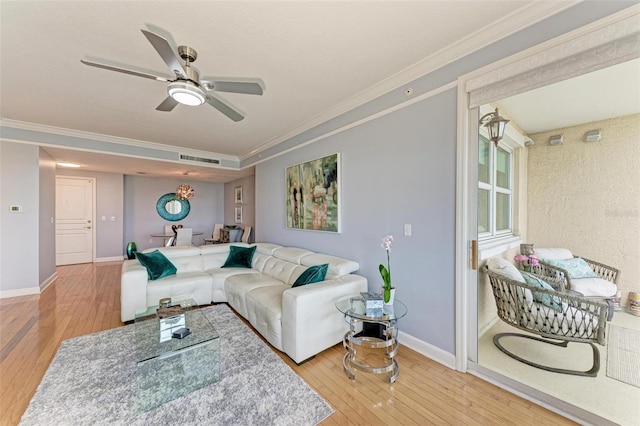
{"x":74,"y":220}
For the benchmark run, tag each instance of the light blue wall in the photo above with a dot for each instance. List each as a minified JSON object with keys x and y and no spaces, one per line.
{"x":20,"y":231}
{"x":395,"y":170}
{"x":46,"y":211}
{"x":142,"y":219}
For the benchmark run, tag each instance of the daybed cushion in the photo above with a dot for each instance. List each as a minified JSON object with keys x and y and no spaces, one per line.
{"x":594,"y":287}
{"x":553,"y":253}
{"x":156,"y":263}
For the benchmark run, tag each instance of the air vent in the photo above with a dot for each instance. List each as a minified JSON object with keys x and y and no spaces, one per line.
{"x":199,"y":159}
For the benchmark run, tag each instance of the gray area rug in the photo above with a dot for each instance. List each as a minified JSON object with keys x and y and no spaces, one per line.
{"x":623,"y":360}
{"x":91,"y":381}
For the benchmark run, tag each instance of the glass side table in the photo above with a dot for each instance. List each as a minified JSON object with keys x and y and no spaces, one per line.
{"x":353,"y":308}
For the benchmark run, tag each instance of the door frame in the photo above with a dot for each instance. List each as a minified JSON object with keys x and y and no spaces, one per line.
{"x":616,"y":34}
{"x":93,"y":181}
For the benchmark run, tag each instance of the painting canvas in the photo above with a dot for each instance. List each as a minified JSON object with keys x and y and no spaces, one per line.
{"x":313,"y":195}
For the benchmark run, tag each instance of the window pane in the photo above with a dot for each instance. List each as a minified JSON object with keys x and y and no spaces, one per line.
{"x":503,"y":169}
{"x":483,"y":159}
{"x":503,"y":207}
{"x":483,"y":211}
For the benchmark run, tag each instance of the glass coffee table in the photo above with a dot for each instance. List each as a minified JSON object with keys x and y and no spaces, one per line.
{"x":168,"y":367}
{"x":384,"y":337}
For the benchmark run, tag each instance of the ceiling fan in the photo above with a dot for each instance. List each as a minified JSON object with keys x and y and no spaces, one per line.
{"x":187,"y":88}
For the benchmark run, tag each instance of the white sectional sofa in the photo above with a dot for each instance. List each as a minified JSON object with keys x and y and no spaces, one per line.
{"x":300,"y":321}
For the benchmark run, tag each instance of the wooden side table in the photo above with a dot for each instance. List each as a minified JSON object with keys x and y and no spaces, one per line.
{"x":353,"y":308}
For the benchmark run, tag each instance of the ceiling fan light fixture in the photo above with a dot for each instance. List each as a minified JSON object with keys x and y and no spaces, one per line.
{"x":186,"y":93}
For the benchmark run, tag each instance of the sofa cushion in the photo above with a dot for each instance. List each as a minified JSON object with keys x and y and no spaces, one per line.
{"x":188,"y":285}
{"x":337,"y":265}
{"x":238,"y":286}
{"x":156,"y":263}
{"x":264,"y":306}
{"x":576,"y":267}
{"x":312,"y":274}
{"x":291,"y":254}
{"x":239,"y":257}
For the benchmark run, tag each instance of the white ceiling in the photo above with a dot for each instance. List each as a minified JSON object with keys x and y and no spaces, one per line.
{"x":316,"y":58}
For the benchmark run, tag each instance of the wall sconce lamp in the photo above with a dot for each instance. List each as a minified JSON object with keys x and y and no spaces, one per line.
{"x":495,"y":125}
{"x":555,"y":140}
{"x":593,"y":135}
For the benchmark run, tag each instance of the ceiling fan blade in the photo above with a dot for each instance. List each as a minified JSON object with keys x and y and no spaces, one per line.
{"x":224,"y":107}
{"x":167,"y":105}
{"x":123,"y":70}
{"x":166,"y":52}
{"x":248,"y":86}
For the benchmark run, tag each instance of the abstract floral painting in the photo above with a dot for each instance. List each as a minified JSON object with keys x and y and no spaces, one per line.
{"x":313,"y":195}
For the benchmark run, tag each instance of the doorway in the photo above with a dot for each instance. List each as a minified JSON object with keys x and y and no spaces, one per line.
{"x":74,"y":220}
{"x":533,"y":69}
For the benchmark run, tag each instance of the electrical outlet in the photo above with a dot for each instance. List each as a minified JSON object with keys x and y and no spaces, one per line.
{"x":407,"y":230}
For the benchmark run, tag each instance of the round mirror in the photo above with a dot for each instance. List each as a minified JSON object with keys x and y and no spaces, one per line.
{"x":172,"y":208}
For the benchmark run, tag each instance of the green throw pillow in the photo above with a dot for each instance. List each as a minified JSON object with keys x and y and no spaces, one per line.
{"x":239,"y":257}
{"x":553,"y":302}
{"x":313,"y":274}
{"x":157,"y":264}
{"x":577,"y":267}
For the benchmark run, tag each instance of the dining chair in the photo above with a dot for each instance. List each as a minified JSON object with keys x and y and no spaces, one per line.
{"x":184,"y":236}
{"x":170,"y":236}
{"x":246,"y":234}
{"x":215,"y":236}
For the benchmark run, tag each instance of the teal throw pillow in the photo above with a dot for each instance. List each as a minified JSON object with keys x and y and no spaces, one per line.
{"x":553,"y":302}
{"x":157,"y":264}
{"x":313,"y":274}
{"x":577,"y":267}
{"x":239,"y":257}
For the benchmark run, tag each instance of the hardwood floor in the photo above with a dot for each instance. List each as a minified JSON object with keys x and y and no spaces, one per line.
{"x":86,"y":299}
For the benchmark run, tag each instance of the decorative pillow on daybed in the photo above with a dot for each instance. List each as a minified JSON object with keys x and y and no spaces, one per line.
{"x":239,"y":257}
{"x":157,"y":264}
{"x":576,"y":267}
{"x":505,"y":268}
{"x":313,"y":274}
{"x":553,"y":302}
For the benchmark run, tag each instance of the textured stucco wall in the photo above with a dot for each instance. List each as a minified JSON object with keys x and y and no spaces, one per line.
{"x":585,"y":196}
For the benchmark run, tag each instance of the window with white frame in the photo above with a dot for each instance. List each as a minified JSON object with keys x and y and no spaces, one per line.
{"x":495,"y":190}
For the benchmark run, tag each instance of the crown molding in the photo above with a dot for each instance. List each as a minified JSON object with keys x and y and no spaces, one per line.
{"x":509,"y":24}
{"x":116,"y":140}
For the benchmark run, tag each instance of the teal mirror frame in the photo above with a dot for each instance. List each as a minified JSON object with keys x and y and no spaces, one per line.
{"x":165,"y":214}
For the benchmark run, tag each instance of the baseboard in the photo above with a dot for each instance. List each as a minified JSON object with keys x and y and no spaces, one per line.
{"x":433,"y":352}
{"x":44,"y":285}
{"x":110,"y":259}
{"x":28,"y":291}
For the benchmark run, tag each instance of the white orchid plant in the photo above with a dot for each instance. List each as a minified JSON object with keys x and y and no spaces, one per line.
{"x":385,"y":272}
